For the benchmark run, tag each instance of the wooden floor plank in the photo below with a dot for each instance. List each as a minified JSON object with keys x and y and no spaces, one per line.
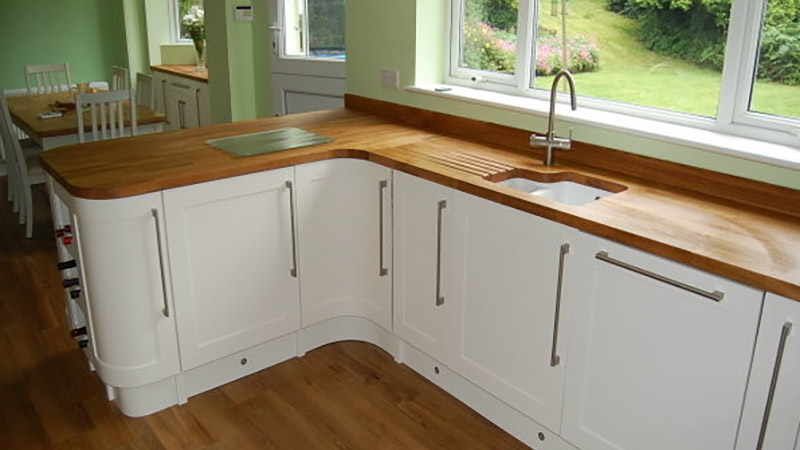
{"x":348,"y":395}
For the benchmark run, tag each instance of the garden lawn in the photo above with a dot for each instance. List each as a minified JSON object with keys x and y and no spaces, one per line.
{"x":632,"y":74}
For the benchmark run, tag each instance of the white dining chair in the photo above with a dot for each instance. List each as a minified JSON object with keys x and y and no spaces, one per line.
{"x":24,"y":169}
{"x":145,"y":94}
{"x":120,"y":79}
{"x":44,"y":79}
{"x":106,"y":112}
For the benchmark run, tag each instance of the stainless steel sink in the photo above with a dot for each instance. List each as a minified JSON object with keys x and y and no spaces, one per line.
{"x":565,"y":187}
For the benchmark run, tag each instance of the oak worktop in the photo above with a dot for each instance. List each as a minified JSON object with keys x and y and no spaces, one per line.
{"x":183,"y":70}
{"x":755,"y":246}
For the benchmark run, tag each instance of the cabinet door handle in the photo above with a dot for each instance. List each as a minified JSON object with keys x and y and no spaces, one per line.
{"x":164,"y":94}
{"x":182,"y":113}
{"x":293,"y":270}
{"x":787,"y":328}
{"x":715,"y":295}
{"x":165,"y":309}
{"x":197,"y":105}
{"x":439,"y":297}
{"x":382,"y":271}
{"x":179,"y":85}
{"x":562,"y":254}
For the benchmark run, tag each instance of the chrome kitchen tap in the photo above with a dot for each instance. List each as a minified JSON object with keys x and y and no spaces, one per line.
{"x":550,"y":140}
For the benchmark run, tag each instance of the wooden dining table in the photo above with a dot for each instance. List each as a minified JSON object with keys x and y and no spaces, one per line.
{"x":53,"y":132}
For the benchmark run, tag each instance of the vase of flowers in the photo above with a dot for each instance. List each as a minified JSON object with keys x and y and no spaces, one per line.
{"x":195,"y":25}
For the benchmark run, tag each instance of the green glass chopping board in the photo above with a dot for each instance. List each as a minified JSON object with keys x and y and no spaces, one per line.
{"x":268,"y":141}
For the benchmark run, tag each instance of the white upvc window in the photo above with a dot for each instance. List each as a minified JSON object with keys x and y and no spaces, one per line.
{"x":177,"y":10}
{"x":311,"y":29}
{"x":620,"y":65}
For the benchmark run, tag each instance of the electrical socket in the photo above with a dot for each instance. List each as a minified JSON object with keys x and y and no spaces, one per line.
{"x":390,"y":78}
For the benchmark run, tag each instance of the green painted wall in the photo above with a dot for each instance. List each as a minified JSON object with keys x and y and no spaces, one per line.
{"x":410,"y":36}
{"x":136,"y":37}
{"x":88,"y":34}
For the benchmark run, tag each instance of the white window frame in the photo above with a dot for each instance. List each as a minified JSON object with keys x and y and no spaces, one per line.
{"x":174,"y":24}
{"x":738,"y":76}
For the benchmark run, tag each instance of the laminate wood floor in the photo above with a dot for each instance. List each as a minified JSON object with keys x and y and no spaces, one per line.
{"x":348,"y":395}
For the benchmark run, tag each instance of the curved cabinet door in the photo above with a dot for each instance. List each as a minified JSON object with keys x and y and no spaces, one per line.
{"x":129,"y":310}
{"x":771,"y":418}
{"x":652,"y":364}
{"x":230,"y":246}
{"x":344,"y":210}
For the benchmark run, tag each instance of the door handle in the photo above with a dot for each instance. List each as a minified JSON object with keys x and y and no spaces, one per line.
{"x":785,"y":331}
{"x":554,"y":358}
{"x":382,"y":271}
{"x":440,"y":208}
{"x":715,"y":295}
{"x":293,"y":270}
{"x":165,"y":310}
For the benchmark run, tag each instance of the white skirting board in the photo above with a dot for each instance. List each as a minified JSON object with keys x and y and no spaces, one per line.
{"x":144,"y":400}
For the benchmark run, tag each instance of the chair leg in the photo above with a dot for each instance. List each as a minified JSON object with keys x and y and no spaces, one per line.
{"x":28,"y":213}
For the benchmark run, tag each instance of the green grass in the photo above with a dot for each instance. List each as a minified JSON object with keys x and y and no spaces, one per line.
{"x":632,"y":74}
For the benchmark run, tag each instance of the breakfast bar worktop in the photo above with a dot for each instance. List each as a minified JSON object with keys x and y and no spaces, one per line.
{"x":730,"y":237}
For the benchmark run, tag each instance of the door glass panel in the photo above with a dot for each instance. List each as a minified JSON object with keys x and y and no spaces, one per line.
{"x":776,"y":88}
{"x":326,"y":28}
{"x":314,"y":28}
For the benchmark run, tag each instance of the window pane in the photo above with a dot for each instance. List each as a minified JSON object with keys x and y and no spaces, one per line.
{"x":489,"y":35}
{"x":189,"y":13}
{"x":320,"y":20}
{"x":776,"y":89}
{"x":326,"y":27}
{"x":656,"y":53}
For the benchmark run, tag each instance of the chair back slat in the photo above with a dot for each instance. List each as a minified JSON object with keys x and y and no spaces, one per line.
{"x":48,"y":78}
{"x":120,"y":79}
{"x":145,"y":94}
{"x":106,"y":112}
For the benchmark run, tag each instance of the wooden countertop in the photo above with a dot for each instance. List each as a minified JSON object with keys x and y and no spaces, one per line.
{"x":751,"y":245}
{"x":183,"y":70}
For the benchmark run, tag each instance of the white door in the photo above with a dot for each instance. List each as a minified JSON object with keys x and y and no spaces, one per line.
{"x":771,"y":418}
{"x":231,"y":253}
{"x":308,"y":55}
{"x":426,"y":226}
{"x":508,"y":307}
{"x":655,"y":364}
{"x":344,"y":231}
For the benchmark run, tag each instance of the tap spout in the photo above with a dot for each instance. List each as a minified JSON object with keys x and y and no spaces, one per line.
{"x":572,"y":96}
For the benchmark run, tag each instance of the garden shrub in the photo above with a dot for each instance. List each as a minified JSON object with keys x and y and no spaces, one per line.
{"x":696,"y":31}
{"x":487,"y":48}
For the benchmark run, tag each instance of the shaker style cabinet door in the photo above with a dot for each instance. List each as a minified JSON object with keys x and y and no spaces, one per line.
{"x":181,"y":104}
{"x":771,"y":418}
{"x":426,"y":226}
{"x":231,"y":247}
{"x":124,"y":275}
{"x":344,"y":212}
{"x":660,"y":353}
{"x":508,"y":306}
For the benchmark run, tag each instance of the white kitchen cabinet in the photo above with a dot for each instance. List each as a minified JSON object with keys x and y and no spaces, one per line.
{"x":183,"y":100}
{"x":507,"y":303}
{"x":344,"y":231}
{"x":426,"y":231}
{"x":771,"y":418}
{"x":233,"y":265}
{"x":652,"y":364}
{"x":124,"y":278}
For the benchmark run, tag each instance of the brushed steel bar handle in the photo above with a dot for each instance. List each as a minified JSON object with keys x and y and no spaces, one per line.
{"x":182,"y":113}
{"x":785,"y":331}
{"x":382,"y":271}
{"x":165,"y":310}
{"x":714,"y":295}
{"x":181,"y":86}
{"x":554,"y":358}
{"x":293,"y":270}
{"x":439,"y":297}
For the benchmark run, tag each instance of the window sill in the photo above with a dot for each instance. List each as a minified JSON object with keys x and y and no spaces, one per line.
{"x":740,"y":147}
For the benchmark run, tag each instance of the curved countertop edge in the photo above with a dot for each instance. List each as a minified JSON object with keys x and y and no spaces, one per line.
{"x":761,"y":271}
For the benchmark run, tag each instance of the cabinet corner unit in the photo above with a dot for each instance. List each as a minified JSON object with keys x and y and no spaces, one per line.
{"x":184,"y":101}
